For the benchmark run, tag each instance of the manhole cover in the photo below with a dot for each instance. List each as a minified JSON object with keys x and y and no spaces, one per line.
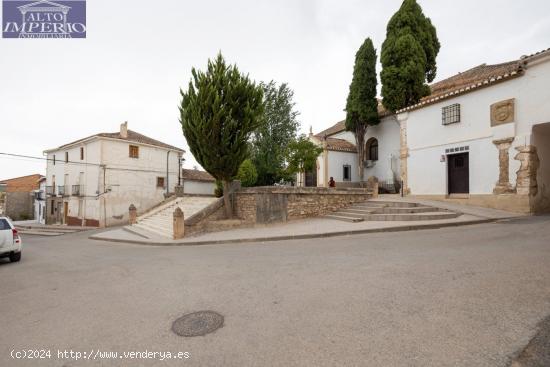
{"x":197,"y":323}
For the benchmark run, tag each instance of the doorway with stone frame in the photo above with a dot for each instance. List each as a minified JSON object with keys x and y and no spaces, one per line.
{"x":458,"y":173}
{"x":534,"y":174}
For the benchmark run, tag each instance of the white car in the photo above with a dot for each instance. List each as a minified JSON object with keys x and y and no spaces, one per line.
{"x":10,"y":241}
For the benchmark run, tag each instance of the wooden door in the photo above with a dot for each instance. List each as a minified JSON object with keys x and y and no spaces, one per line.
{"x":459,"y":173}
{"x":65,"y":212}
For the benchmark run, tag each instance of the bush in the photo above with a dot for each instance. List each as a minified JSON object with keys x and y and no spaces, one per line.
{"x":247,"y":173}
{"x":218,"y":191}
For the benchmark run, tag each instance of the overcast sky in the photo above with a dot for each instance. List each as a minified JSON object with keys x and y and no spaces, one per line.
{"x":138,"y":54}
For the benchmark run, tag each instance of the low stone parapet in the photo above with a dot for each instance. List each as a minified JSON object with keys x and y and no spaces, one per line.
{"x":280,"y":203}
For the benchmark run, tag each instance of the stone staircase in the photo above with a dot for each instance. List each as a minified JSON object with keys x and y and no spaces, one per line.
{"x":159,"y":220}
{"x":375,"y":210}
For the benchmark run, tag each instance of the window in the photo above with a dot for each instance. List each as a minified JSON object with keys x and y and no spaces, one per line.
{"x":4,"y":225}
{"x":160,"y":182}
{"x":66,"y":157}
{"x":134,"y":151}
{"x":81,"y":153}
{"x":450,"y":114}
{"x":347,"y":172}
{"x":372,"y":149}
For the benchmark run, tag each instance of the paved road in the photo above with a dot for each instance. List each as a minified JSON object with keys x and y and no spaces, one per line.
{"x":464,"y":296}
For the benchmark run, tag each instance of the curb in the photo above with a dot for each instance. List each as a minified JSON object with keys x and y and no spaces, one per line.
{"x":305,"y":236}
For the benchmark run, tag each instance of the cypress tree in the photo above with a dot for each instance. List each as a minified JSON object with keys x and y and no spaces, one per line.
{"x":408,"y":57}
{"x":218,"y":113}
{"x":362,"y":105}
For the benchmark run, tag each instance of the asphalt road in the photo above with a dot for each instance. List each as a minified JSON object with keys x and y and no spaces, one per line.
{"x":463,"y":296}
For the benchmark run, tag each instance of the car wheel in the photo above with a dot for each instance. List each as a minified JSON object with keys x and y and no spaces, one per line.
{"x":15,"y":257}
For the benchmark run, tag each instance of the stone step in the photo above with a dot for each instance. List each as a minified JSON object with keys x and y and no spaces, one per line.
{"x":155,"y":230}
{"x":344,"y":218}
{"x":404,"y":210}
{"x":411,"y":216}
{"x":342,"y":213}
{"x":163,"y":226}
{"x":401,"y":204}
{"x":353,"y":210}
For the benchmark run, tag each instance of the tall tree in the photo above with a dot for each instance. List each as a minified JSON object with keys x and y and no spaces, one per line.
{"x":408,"y":57}
{"x":301,"y":156}
{"x":218,"y":114}
{"x":362,"y":105}
{"x":271,"y":140}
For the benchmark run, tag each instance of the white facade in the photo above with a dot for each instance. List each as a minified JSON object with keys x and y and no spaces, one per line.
{"x":192,"y":187}
{"x":430,"y":143}
{"x":332,"y":161}
{"x":40,"y":202}
{"x":101,"y":180}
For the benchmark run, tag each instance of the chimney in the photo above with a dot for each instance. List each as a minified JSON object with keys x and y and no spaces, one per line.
{"x":124,"y":130}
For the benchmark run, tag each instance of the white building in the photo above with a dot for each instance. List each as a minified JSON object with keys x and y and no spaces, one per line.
{"x":196,"y":182}
{"x":40,"y":201}
{"x":483,"y":137}
{"x":93,"y":181}
{"x":339,"y":157}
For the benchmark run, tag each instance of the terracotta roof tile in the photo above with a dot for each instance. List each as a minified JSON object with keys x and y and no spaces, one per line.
{"x":22,"y":184}
{"x":196,"y":175}
{"x":340,"y":145}
{"x":132,"y":137}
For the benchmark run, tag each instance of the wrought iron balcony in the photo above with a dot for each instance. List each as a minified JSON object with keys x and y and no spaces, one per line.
{"x":77,"y":190}
{"x":62,"y":190}
{"x":50,"y":190}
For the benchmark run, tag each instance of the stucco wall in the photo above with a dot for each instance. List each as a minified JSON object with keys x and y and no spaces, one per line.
{"x":427,"y":138}
{"x":198,"y":187}
{"x":117,"y":183}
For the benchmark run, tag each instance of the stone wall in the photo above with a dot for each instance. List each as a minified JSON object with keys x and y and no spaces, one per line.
{"x":19,"y":205}
{"x":263,"y":205}
{"x":279,"y":204}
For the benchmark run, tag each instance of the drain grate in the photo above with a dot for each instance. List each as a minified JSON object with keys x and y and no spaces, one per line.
{"x":197,"y":323}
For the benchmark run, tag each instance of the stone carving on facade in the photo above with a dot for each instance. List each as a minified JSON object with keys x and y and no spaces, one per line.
{"x":502,"y":112}
{"x":503,"y":185}
{"x":526,"y":181}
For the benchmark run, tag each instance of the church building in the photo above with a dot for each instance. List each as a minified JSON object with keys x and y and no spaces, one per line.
{"x":482,"y":137}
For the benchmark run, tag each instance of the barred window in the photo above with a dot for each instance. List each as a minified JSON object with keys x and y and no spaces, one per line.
{"x":450,"y":114}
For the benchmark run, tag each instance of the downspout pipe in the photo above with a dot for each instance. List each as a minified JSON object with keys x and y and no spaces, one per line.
{"x":167,"y":175}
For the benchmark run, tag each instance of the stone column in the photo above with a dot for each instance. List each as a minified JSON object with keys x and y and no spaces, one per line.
{"x":503,"y":185}
{"x":403,"y":151}
{"x":179,"y":224}
{"x":526,"y":182}
{"x":132,"y":214}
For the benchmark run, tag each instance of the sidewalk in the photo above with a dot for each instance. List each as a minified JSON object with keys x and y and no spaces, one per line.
{"x":315,"y":227}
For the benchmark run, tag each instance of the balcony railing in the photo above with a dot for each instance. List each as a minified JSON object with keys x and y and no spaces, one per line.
{"x":63,"y":190}
{"x":50,"y":190}
{"x":77,"y":190}
{"x":40,"y":195}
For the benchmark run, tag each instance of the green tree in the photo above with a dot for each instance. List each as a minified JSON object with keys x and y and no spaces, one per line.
{"x":218,"y":113}
{"x":247,"y":173}
{"x":362,"y":105}
{"x":301,"y":156}
{"x":408,"y":57}
{"x":271,"y":140}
